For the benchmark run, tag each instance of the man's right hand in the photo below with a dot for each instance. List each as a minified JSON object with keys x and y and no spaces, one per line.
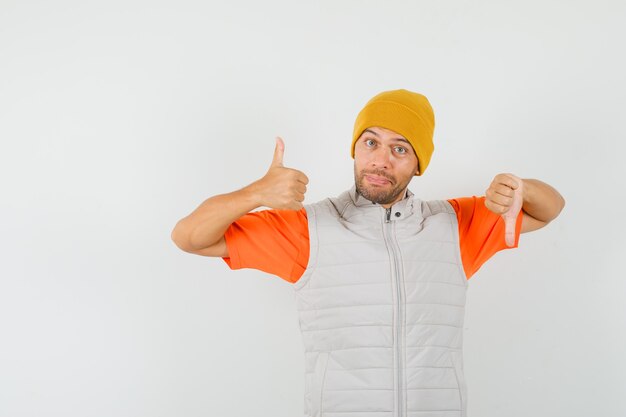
{"x":202,"y":231}
{"x":281,"y":188}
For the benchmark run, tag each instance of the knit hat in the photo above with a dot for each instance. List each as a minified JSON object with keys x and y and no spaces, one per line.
{"x":406,"y":113}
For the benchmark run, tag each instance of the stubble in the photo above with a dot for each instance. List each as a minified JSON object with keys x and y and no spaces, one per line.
{"x":382,"y":194}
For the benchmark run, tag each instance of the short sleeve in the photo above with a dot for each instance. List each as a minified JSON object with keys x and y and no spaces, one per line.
{"x":481,"y":232}
{"x":273,"y":241}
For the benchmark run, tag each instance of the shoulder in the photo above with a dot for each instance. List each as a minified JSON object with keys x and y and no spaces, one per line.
{"x":274,"y":241}
{"x":467,"y":204}
{"x":435,"y":207}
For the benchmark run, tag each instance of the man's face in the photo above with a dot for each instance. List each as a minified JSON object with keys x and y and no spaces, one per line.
{"x":384,"y":164}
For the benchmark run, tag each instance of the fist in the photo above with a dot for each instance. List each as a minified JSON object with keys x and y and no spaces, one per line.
{"x":505,"y":196}
{"x":281,"y":188}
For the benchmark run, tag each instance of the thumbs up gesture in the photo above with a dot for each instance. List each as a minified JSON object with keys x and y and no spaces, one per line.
{"x":505,"y":196}
{"x":281,"y":188}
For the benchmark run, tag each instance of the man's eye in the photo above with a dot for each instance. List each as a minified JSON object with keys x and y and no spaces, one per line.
{"x":370,"y":142}
{"x":400,"y":149}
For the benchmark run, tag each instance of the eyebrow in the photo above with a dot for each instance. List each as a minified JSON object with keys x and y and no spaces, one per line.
{"x":377,"y":135}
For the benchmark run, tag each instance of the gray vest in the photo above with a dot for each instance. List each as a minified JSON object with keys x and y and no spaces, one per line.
{"x":381,"y":307}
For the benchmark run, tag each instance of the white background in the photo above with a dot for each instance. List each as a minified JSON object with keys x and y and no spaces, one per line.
{"x":118,"y":118}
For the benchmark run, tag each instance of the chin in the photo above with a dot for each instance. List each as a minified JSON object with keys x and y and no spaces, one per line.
{"x":378,"y":194}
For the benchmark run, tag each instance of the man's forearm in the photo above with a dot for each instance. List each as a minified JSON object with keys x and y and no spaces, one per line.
{"x":207,"y":224}
{"x":541,"y":201}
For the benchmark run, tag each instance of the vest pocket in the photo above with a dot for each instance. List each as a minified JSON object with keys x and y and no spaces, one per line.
{"x":317,"y":386}
{"x":457,"y":364}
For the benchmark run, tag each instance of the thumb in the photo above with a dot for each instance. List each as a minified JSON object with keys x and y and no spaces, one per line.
{"x":279,"y":152}
{"x":510,"y":217}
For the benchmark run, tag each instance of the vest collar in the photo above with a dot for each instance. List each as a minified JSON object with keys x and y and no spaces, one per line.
{"x":405,"y":206}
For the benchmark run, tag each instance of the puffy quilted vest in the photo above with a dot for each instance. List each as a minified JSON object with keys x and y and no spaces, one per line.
{"x":381,"y":307}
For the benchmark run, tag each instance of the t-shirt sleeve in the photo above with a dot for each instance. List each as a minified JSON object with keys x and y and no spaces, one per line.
{"x":481,"y":232}
{"x":273,"y":241}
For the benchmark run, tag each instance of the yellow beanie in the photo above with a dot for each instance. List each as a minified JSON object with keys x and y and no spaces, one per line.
{"x":406,"y":113}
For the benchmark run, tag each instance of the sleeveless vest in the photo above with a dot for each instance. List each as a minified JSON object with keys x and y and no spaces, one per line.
{"x":381,"y":308}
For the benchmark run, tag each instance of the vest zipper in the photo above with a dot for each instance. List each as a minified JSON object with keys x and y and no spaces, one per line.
{"x":397,"y":268}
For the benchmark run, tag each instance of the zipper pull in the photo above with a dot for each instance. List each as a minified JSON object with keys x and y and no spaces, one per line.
{"x":388,"y":215}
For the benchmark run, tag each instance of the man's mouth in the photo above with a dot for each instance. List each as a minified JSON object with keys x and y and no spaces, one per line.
{"x":376,"y":179}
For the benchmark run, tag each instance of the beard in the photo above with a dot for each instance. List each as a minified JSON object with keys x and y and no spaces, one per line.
{"x":380,"y":194}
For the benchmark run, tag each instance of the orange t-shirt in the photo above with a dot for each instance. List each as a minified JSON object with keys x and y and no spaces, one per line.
{"x":277,"y":241}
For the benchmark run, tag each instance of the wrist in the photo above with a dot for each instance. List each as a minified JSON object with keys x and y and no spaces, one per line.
{"x":252,"y":195}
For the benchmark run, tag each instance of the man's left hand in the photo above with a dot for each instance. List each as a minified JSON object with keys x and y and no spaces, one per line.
{"x":505,"y":196}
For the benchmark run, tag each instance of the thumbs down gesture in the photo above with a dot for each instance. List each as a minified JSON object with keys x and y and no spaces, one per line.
{"x":505,"y":197}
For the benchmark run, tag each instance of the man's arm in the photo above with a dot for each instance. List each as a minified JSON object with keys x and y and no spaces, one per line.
{"x":202,"y":231}
{"x":540,"y":202}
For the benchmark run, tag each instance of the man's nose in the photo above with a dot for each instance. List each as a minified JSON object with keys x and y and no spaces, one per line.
{"x":381,"y":158}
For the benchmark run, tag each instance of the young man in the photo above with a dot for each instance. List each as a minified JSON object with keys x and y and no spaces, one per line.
{"x":380,"y":276}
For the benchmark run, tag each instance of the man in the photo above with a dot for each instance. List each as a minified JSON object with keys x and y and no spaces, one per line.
{"x":380,"y":276}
